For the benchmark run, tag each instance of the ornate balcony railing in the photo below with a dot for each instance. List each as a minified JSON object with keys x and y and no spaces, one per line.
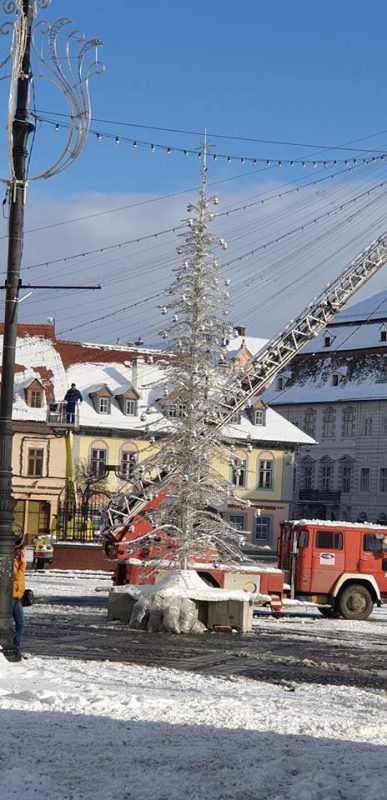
{"x":320,"y":496}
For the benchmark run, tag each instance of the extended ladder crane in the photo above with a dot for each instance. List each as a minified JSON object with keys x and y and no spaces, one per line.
{"x":255,"y":376}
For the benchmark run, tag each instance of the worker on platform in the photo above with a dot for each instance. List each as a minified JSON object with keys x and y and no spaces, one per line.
{"x":72,"y":397}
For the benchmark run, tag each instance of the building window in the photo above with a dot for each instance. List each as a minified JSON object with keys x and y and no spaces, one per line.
{"x":383,"y":480}
{"x":259,"y":416}
{"x":131,"y":407}
{"x":175,"y":410}
{"x":364,"y":479}
{"x":367,"y":426}
{"x":237,"y":521}
{"x":348,"y":422}
{"x":327,"y":340}
{"x":35,"y":398}
{"x":326,"y":475}
{"x":307,"y":474}
{"x":383,"y":335}
{"x":98,"y":463}
{"x":104,"y":405}
{"x":263,"y":530}
{"x":310,"y":421}
{"x":346,"y":476}
{"x":127,"y":464}
{"x":265,"y":473}
{"x":335,"y":379}
{"x":238,"y":472}
{"x":236,"y":417}
{"x":35,"y":463}
{"x":329,"y":420}
{"x":280,"y":383}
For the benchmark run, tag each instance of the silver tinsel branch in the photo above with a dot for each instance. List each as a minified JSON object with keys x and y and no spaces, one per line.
{"x":196,"y":331}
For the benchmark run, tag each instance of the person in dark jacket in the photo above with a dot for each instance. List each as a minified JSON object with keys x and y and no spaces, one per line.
{"x":72,"y":397}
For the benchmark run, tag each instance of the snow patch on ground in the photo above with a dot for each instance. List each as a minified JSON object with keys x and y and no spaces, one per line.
{"x":75,"y":730}
{"x":113,"y":731}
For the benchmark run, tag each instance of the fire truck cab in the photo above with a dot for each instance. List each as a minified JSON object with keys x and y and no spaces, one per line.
{"x":340,"y":566}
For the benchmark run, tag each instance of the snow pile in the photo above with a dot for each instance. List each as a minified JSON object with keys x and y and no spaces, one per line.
{"x":168,"y":605}
{"x":167,"y":614}
{"x":185,"y":583}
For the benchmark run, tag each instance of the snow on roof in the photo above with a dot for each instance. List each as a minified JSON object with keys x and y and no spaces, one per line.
{"x":112,"y":367}
{"x":277,"y":429}
{"x":252,"y":343}
{"x":371,"y":308}
{"x":361,"y":376}
{"x":338,"y":523}
{"x":348,"y":337}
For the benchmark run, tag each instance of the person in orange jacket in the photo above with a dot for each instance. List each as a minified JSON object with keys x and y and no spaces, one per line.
{"x":19,"y":585}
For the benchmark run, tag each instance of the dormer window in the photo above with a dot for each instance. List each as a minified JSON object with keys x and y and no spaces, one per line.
{"x":280,"y":383}
{"x":383,"y":334}
{"x":328,"y":339}
{"x":335,"y":379}
{"x":102,"y":399}
{"x":104,"y":405}
{"x":34,"y":394}
{"x":130,"y":407}
{"x":36,"y":399}
{"x":128,"y":401}
{"x":260,"y":416}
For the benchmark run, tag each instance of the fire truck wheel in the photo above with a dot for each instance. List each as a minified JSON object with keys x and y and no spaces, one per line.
{"x":355,"y":602}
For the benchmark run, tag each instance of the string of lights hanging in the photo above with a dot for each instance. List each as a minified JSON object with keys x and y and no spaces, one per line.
{"x":169,"y":149}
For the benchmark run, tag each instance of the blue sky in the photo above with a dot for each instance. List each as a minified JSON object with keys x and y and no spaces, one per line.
{"x":293,"y":71}
{"x":306,"y":72}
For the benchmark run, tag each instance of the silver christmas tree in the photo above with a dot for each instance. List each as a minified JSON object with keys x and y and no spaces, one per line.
{"x":196,"y":330}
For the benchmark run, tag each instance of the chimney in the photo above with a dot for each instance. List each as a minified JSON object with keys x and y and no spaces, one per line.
{"x":137,"y":373}
{"x":240,"y":330}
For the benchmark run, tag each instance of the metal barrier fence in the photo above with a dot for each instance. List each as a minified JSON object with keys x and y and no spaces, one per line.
{"x":81,"y":523}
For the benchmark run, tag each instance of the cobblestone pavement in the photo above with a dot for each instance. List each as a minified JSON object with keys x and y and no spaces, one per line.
{"x":302,"y":651}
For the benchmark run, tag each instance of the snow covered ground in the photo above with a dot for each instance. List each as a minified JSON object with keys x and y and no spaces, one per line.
{"x":74,"y":730}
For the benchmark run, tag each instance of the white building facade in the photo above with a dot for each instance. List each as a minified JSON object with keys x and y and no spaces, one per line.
{"x":336,"y":391}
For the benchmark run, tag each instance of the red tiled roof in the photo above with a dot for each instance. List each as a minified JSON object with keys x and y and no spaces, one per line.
{"x":45,"y":331}
{"x":76,"y":353}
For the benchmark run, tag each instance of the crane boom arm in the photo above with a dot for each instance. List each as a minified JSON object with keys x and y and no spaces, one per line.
{"x":259,"y":372}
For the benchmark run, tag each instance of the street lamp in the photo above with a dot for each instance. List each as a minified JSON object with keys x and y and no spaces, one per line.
{"x":70,"y":74}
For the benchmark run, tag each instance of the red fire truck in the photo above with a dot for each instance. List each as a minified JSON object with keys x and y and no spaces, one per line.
{"x":340,"y":566}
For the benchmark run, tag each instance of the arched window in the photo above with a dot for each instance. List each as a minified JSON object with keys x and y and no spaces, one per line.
{"x":310,"y":421}
{"x":98,"y":459}
{"x":265,"y":470}
{"x":326,"y":475}
{"x":239,"y":469}
{"x":128,"y":460}
{"x":349,"y":419}
{"x":329,"y":423}
{"x":346,"y":474}
{"x":307,"y":476}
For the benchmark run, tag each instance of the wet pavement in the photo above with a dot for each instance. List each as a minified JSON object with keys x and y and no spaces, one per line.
{"x":74,"y":627}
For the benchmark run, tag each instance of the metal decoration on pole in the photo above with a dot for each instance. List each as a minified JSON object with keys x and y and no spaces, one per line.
{"x":74,"y":83}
